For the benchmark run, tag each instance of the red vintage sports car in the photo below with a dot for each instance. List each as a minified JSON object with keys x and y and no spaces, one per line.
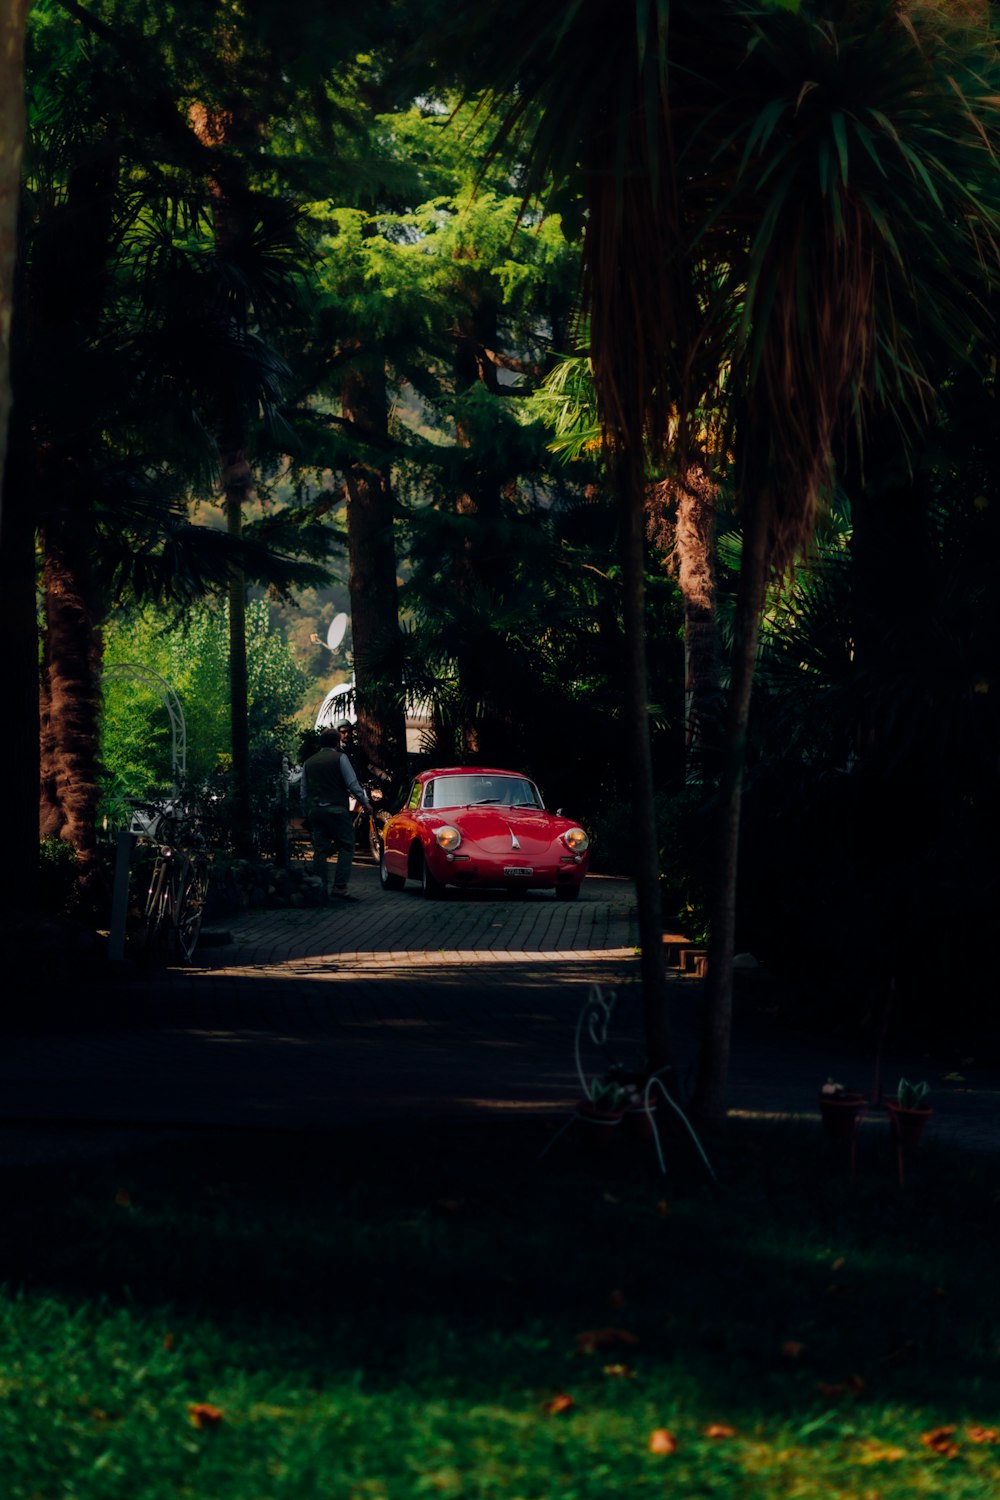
{"x":471,"y":826}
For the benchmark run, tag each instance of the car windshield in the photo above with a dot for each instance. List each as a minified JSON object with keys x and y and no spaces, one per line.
{"x":474,"y":791}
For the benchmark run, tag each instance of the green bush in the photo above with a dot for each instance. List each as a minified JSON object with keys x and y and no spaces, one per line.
{"x":57,"y":877}
{"x":682,"y":830}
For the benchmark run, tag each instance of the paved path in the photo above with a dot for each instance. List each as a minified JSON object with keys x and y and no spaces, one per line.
{"x":394,"y":1007}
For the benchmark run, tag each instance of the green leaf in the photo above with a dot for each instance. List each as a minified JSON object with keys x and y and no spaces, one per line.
{"x":840,"y":137}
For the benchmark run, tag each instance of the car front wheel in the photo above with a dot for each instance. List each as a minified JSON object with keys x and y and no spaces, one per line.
{"x":432,"y":888}
{"x":388,"y":881}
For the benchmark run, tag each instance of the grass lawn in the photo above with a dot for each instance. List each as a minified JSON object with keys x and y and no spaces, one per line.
{"x":436,"y":1311}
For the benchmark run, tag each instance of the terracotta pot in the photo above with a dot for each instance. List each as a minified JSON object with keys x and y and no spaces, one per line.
{"x":907,"y":1125}
{"x":841,"y":1113}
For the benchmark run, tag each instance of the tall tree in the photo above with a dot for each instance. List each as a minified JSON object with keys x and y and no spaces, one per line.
{"x":868,"y":191}
{"x":592,"y":93}
{"x":12,"y":27}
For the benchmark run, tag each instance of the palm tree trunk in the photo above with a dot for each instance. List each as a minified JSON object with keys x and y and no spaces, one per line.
{"x":695,"y":554}
{"x":12,"y":27}
{"x":71,"y":770}
{"x":717,"y":1018}
{"x":19,"y":755}
{"x":630,"y":484}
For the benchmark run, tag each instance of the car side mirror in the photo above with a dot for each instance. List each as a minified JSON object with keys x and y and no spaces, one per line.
{"x":560,"y":812}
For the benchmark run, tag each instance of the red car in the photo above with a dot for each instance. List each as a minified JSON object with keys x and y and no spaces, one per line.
{"x":468,"y":826}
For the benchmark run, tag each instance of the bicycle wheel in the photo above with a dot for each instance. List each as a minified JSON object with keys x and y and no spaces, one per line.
{"x":374,"y":839}
{"x":155,"y":915}
{"x":190,"y":909}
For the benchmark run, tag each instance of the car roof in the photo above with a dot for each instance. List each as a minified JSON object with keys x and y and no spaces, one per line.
{"x":469,"y":771}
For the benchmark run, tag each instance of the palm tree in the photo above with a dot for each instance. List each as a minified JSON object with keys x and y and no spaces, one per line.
{"x":826,"y":174}
{"x":613,"y":98}
{"x":866,"y":196}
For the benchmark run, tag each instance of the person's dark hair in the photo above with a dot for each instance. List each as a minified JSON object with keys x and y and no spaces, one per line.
{"x":330,"y":739}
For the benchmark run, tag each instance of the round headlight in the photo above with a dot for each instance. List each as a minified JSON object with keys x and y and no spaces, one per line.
{"x":448,"y":837}
{"x":576,"y":839}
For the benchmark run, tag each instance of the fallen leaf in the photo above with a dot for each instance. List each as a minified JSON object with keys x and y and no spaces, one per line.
{"x":954,"y":1078}
{"x":856,"y":1384}
{"x":719,"y":1430}
{"x":881,"y":1453}
{"x":619,"y":1372}
{"x":831,"y":1392}
{"x":559,"y":1402}
{"x":451,"y":1205}
{"x":203,"y":1415}
{"x":662,"y":1441}
{"x":792,"y":1349}
{"x":983,"y":1434}
{"x":663,"y":1208}
{"x":839,"y":1289}
{"x":169,"y":1342}
{"x":838,"y":1264}
{"x":604,"y":1338}
{"x":610,"y":1198}
{"x":940,"y":1440}
{"x":617,"y":1299}
{"x":122,"y":1198}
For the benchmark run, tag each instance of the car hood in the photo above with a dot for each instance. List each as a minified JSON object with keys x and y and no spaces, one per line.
{"x":499,"y":830}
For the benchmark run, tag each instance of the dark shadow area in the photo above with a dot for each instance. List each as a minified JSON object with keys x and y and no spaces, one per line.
{"x":461,"y":1257}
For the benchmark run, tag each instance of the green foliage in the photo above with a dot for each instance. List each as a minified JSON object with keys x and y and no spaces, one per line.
{"x":911,"y":1095}
{"x":58,"y":892}
{"x":192,"y":655}
{"x":683,"y":832}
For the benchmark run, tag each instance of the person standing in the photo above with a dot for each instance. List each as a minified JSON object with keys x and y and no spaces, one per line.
{"x":356,"y":752}
{"x":326,"y":785}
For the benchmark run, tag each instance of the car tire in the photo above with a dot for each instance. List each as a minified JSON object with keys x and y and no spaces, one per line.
{"x":567,"y":892}
{"x":387,"y":880}
{"x":432,"y":888}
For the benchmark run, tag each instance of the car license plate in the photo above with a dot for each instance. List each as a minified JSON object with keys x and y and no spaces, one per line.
{"x":517,"y":870}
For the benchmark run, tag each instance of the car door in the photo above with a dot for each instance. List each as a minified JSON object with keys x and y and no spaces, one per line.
{"x":399,"y":833}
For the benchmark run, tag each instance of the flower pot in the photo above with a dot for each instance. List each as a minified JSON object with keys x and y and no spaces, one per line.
{"x":639,"y":1113}
{"x":907,"y":1125}
{"x":841,"y":1113}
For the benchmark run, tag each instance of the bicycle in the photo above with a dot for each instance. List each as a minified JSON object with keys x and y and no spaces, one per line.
{"x":178,"y":886}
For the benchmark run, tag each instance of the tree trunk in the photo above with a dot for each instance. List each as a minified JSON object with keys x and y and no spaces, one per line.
{"x":71,"y":770}
{"x":372,"y":582}
{"x":12,"y":27}
{"x":631,"y":489}
{"x":19,"y":756}
{"x":222,"y":130}
{"x":237,"y":484}
{"x":695,"y":554}
{"x":480,"y":571}
{"x":717,"y":1018}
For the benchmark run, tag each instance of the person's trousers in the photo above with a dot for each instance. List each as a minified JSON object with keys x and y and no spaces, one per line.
{"x":332,"y":828}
